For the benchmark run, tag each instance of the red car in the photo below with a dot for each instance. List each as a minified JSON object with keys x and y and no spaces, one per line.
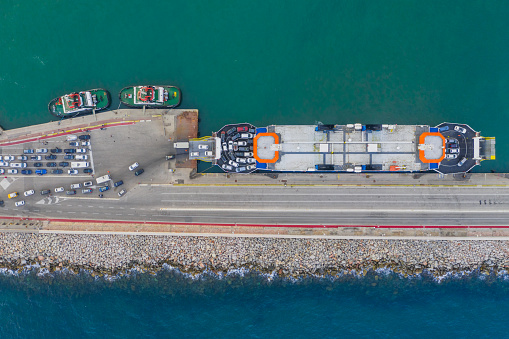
{"x":242,"y":129}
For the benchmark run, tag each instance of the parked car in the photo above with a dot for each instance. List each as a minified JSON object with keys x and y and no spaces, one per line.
{"x":203,"y":146}
{"x":75,"y":185}
{"x":246,"y":136}
{"x":19,"y":164}
{"x":8,"y":157}
{"x":88,"y":183}
{"x":59,"y":189}
{"x":460,"y":129}
{"x":236,"y":136}
{"x":104,"y":188}
{"x":139,"y":172}
{"x":242,"y":143}
{"x":41,"y":150}
{"x":462,"y":161}
{"x":250,"y":167}
{"x":36,"y":157}
{"x":82,"y":150}
{"x":240,"y":169}
{"x":121,"y":193}
{"x":12,"y":171}
{"x":19,"y":203}
{"x":86,"y":190}
{"x":85,"y":143}
{"x":51,"y":164}
{"x":72,"y":172}
{"x":443,"y":129}
{"x":133,"y":166}
{"x":226,"y":167}
{"x":71,"y":137}
{"x":28,"y":193}
{"x":44,"y":192}
{"x":41,"y":171}
{"x":242,"y":129}
{"x":251,"y":160}
{"x":451,"y":156}
{"x":84,"y":137}
{"x":81,"y":157}
{"x":4,"y":164}
{"x":57,"y":171}
{"x":87,"y":170}
{"x":453,"y":150}
{"x":56,"y":150}
{"x":74,"y":144}
{"x":25,"y":172}
{"x":452,"y":145}
{"x":28,"y":151}
{"x":233,"y":163}
{"x":118,"y":183}
{"x":68,"y":157}
{"x":63,"y":164}
{"x":241,"y":160}
{"x":38,"y":164}
{"x":12,"y":195}
{"x":71,"y":192}
{"x":451,"y":141}
{"x":23,"y":157}
{"x":2,"y":171}
{"x":70,"y":150}
{"x":50,"y":157}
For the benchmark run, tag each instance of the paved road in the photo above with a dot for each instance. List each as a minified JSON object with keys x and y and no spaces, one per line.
{"x":468,"y":206}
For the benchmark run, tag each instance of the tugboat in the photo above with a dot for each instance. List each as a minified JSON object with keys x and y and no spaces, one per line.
{"x":79,"y":103}
{"x":150,"y":96}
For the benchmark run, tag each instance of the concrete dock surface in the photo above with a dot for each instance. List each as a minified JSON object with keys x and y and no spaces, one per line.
{"x":171,"y":197}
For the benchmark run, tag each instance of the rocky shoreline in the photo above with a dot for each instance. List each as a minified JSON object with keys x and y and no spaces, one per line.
{"x":114,"y":254}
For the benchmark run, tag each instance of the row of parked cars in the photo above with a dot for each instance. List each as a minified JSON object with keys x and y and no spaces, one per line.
{"x":237,"y":149}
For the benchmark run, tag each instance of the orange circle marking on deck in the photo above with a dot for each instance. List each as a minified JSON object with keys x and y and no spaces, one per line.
{"x":422,"y":138}
{"x":255,"y":147}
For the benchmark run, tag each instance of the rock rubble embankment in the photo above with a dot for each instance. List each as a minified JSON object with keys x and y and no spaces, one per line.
{"x":111,"y":254}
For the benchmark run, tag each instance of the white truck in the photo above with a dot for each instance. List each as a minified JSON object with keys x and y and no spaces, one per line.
{"x":103,"y":179}
{"x":79,"y":164}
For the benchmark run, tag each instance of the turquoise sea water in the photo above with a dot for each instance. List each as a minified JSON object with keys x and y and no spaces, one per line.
{"x":265,"y":62}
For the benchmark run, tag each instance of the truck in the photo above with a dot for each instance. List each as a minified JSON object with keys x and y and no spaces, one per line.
{"x":79,"y":164}
{"x":103,"y":179}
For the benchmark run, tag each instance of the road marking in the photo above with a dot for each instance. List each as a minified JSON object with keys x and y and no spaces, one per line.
{"x":366,"y":212}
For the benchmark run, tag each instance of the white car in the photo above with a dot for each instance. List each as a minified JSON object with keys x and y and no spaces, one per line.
{"x":121,"y":193}
{"x":72,"y":137}
{"x":41,"y":150}
{"x":87,"y":183}
{"x":246,"y":135}
{"x":12,"y":171}
{"x":29,"y":192}
{"x":85,"y":143}
{"x":251,"y":160}
{"x":460,"y":129}
{"x":2,"y":171}
{"x":23,"y":157}
{"x":241,"y":160}
{"x":81,"y":150}
{"x":241,"y":143}
{"x":19,"y":203}
{"x":250,"y":167}
{"x":19,"y":164}
{"x":81,"y":157}
{"x":133,"y":166}
{"x":203,"y":146}
{"x":226,"y":167}
{"x":451,"y":156}
{"x":4,"y":164}
{"x":59,"y":189}
{"x":74,"y":186}
{"x":233,"y":163}
{"x":9,"y":158}
{"x":72,"y":172}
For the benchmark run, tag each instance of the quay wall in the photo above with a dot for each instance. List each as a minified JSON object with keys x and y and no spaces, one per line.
{"x":107,"y":254}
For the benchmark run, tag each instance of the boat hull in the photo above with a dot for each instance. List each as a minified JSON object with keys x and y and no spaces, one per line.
{"x":56,"y":106}
{"x":129,"y":96}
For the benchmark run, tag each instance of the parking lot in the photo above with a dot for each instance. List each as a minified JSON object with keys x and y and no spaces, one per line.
{"x":109,"y":150}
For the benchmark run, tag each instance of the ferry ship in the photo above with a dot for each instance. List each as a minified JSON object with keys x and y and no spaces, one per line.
{"x":79,"y":103}
{"x":243,"y":148}
{"x":150,"y":96}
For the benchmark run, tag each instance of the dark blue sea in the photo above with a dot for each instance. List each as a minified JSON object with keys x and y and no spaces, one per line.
{"x":246,"y":304}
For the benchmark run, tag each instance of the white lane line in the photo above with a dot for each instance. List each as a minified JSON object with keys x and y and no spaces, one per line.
{"x":131,"y":214}
{"x":111,"y":207}
{"x":132,"y":208}
{"x":332,"y":210}
{"x":119,"y":214}
{"x":71,"y":212}
{"x":95,"y":213}
{"x":349,"y":201}
{"x":345,"y":193}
